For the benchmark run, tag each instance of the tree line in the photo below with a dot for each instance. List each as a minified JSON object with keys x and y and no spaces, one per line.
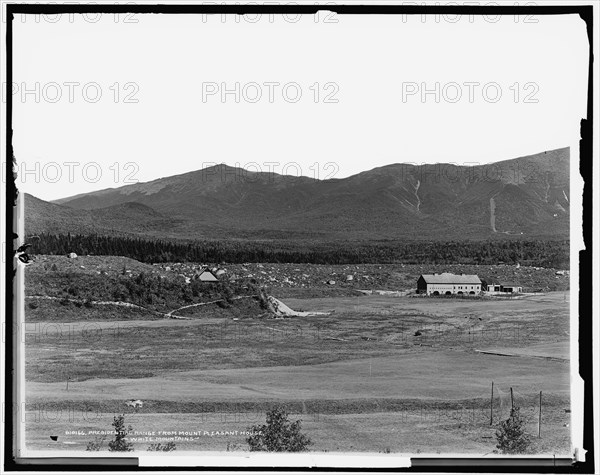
{"x":542,"y":253}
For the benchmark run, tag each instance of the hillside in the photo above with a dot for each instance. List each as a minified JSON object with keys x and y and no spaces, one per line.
{"x":121,"y":219}
{"x":526,"y":197}
{"x":77,"y":289}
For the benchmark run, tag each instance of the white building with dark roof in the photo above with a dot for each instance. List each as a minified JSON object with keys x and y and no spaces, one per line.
{"x":449,"y":284}
{"x":504,"y":289}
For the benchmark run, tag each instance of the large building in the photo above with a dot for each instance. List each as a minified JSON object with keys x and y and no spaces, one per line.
{"x":448,"y":284}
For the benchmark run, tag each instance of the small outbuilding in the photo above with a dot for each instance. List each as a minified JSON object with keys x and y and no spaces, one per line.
{"x":504,"y":288}
{"x":511,"y":288}
{"x":207,"y":276}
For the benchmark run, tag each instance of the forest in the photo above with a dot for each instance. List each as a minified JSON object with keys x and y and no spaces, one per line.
{"x":539,"y":253}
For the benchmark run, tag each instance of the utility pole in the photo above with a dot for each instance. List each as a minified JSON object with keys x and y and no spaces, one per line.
{"x":540,"y":418}
{"x":492,"y":405}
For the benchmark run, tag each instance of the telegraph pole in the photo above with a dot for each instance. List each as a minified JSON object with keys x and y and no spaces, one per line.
{"x":492,"y":405}
{"x":540,"y":418}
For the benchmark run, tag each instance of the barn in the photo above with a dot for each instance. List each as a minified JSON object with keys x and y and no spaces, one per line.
{"x":449,"y":284}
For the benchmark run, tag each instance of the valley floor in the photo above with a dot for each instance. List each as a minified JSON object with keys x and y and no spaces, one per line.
{"x":378,"y":374}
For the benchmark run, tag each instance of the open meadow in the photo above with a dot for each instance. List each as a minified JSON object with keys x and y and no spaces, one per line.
{"x":373,"y":373}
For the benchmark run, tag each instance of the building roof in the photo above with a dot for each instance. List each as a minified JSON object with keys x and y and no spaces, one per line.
{"x":207,"y":276}
{"x":448,"y":278}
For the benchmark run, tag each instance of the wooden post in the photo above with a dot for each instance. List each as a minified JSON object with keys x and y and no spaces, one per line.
{"x":68,"y":382}
{"x":512,"y":401}
{"x":540,"y":418}
{"x":492,"y":405}
{"x":19,"y":312}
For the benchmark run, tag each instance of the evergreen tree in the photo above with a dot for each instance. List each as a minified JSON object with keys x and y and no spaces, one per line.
{"x":120,"y":444}
{"x":511,"y":435}
{"x":278,"y":434}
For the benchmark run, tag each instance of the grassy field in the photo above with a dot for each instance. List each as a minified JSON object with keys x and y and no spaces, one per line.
{"x":379,"y":373}
{"x":419,"y":430}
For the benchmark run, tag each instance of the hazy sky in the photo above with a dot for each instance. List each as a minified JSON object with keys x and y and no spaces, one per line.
{"x":114,"y":99}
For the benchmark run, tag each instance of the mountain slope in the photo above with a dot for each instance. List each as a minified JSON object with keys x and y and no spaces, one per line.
{"x":127,"y":218}
{"x":527,"y":196}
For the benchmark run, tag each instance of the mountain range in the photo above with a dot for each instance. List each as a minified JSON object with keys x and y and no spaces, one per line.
{"x":526,"y":197}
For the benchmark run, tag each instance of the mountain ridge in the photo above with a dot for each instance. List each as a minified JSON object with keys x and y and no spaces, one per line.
{"x":524,"y":196}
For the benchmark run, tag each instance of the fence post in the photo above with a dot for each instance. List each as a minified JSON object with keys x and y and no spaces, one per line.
{"x":512,"y":401}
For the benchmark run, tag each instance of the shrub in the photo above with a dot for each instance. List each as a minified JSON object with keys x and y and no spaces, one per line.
{"x":96,"y":444}
{"x":278,"y":434}
{"x":168,"y":447}
{"x":120,"y":444}
{"x":233,"y":447}
{"x":227,"y":294}
{"x":511,"y":435}
{"x":263,"y":300}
